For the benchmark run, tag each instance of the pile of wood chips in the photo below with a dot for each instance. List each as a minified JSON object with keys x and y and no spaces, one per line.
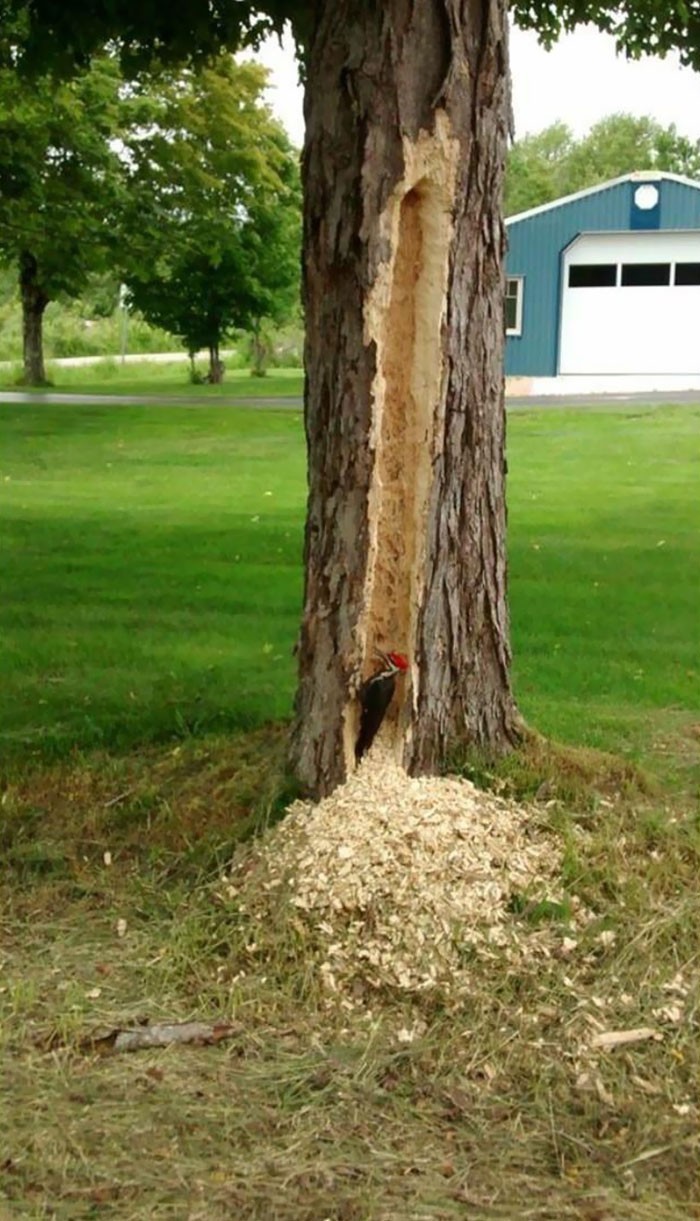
{"x":402,"y":881}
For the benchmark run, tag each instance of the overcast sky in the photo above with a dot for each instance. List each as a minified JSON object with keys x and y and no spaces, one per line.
{"x":580,"y":81}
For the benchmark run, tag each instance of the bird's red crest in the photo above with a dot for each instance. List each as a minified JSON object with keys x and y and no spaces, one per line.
{"x":399,"y":660}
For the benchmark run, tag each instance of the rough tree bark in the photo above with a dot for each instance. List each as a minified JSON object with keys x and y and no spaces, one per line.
{"x":34,"y":302}
{"x":407,"y":111}
{"x":216,"y":368}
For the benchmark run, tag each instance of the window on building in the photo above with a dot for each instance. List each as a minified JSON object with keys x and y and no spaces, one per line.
{"x":641,"y":275}
{"x":514,"y":305}
{"x":592,"y":275}
{"x":687,"y":273}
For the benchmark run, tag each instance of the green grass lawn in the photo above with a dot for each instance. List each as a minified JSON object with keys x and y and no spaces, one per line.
{"x":146,"y":377}
{"x":151,"y":578}
{"x":605,"y":571}
{"x":151,"y":575}
{"x":150,"y":590}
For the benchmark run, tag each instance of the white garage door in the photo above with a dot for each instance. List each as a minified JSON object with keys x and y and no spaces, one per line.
{"x":631,"y":303}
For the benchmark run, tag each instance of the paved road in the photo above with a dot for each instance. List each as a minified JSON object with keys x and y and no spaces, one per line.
{"x":129,"y":358}
{"x":148,"y":400}
{"x":294,"y":403}
{"x":648,"y":398}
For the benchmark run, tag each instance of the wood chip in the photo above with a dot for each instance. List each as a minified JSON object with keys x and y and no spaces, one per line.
{"x":401,"y":879}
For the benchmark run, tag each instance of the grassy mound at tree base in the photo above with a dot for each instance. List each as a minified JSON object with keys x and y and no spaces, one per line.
{"x":500,"y":1108}
{"x":542,"y":769}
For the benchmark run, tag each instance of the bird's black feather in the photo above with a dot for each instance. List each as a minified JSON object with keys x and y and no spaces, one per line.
{"x":375,"y":697}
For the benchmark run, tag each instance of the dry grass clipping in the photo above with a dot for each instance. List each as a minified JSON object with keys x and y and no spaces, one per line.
{"x":399,"y":882}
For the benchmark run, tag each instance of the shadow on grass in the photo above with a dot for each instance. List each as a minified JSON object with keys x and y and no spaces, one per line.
{"x":176,"y":814}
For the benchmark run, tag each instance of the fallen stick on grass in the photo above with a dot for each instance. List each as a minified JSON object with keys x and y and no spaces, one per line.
{"x":617,"y":1038}
{"x":140,"y":1038}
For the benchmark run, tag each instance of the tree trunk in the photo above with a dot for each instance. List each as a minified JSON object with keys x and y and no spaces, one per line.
{"x":260,"y":348}
{"x":34,"y":302}
{"x":407,"y":110}
{"x":216,"y":368}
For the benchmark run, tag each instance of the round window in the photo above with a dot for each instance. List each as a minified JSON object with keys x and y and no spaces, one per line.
{"x":646,"y":197}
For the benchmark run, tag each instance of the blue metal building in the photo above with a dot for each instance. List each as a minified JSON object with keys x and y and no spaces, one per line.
{"x":607,"y":281}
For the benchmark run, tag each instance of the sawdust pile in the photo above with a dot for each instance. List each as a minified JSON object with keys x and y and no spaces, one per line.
{"x":400,"y":881}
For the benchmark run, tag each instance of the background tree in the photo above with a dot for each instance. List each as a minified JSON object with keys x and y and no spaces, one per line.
{"x":536,"y":168}
{"x":212,"y":228}
{"x":407,"y":116}
{"x":553,"y":162}
{"x":622,"y":143}
{"x":60,"y":183}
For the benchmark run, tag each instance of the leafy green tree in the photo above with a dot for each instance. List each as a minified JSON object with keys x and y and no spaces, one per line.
{"x":622,"y":143}
{"x":100,"y":296}
{"x":407,"y":118}
{"x":536,"y":168}
{"x":553,"y":163}
{"x":60,"y":184}
{"x":51,"y":32}
{"x":212,"y":230}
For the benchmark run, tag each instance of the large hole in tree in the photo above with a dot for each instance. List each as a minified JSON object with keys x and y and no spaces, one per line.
{"x":406,"y":401}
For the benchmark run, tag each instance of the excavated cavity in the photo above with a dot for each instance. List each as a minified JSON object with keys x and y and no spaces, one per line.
{"x":403,"y":316}
{"x":403,"y":451}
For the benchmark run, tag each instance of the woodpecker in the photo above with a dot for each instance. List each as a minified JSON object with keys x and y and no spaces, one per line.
{"x":375,"y":696}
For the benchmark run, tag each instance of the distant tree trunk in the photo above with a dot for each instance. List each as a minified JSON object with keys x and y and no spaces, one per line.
{"x":34,"y":302}
{"x":216,"y":368}
{"x":260,"y":350}
{"x":407,"y":110}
